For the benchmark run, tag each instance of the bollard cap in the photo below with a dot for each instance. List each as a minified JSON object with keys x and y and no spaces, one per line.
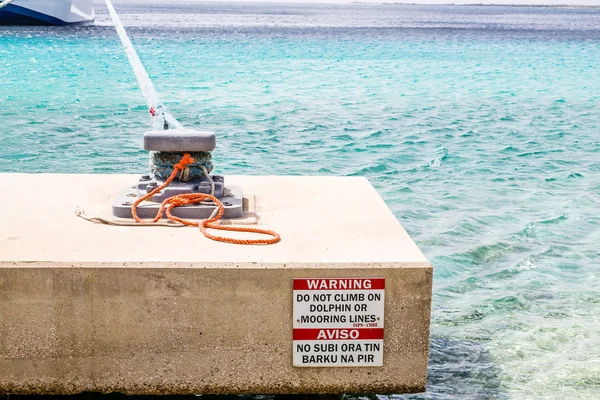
{"x":178,"y":140}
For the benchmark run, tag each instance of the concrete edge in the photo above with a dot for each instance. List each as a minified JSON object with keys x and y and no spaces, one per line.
{"x":210,"y":265}
{"x":156,"y":390}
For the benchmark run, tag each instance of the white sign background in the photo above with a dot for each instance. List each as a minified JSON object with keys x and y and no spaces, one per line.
{"x":338,"y":322}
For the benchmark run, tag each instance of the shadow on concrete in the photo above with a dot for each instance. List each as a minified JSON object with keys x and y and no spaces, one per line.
{"x":119,"y":396}
{"x":457,"y":370}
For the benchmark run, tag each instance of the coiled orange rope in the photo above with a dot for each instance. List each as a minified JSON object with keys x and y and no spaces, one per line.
{"x":193,"y":198}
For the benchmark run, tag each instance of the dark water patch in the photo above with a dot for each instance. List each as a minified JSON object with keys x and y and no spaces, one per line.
{"x":345,"y":138}
{"x":456,"y":369}
{"x":468,"y":285}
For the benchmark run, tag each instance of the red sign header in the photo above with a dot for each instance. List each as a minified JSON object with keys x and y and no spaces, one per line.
{"x":339,"y":284}
{"x":338,"y":333}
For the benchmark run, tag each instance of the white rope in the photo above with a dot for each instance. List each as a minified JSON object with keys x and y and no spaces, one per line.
{"x":119,"y":222}
{"x":114,"y":222}
{"x":212,"y":183}
{"x":162,"y":119}
{"x":5,"y":3}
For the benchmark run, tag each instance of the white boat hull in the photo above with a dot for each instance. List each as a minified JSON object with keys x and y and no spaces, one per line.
{"x":48,"y":12}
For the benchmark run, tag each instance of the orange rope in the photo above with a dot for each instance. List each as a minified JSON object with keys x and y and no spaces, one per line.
{"x":192,"y":198}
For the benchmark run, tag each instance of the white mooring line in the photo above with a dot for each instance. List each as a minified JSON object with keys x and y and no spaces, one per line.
{"x":5,"y":3}
{"x":162,"y":119}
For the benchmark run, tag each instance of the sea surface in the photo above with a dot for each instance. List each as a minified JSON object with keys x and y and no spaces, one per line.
{"x":479,"y":126}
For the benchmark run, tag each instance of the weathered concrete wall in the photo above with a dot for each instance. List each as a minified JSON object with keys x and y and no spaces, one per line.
{"x":67,"y":330}
{"x":109,"y":314}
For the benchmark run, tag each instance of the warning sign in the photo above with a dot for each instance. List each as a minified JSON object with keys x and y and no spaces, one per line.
{"x":338,"y":322}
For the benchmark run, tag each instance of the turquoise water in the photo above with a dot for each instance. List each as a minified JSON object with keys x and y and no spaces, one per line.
{"x":479,"y":126}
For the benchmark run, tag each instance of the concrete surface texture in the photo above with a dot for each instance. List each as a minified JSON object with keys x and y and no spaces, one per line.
{"x":150,"y":310}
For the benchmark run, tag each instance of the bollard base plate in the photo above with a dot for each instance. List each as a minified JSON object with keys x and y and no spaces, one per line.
{"x":232,"y":203}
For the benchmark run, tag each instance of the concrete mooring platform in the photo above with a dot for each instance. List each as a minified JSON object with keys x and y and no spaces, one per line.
{"x":157,"y":310}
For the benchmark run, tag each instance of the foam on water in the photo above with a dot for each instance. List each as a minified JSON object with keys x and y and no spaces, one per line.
{"x":478,"y":125}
